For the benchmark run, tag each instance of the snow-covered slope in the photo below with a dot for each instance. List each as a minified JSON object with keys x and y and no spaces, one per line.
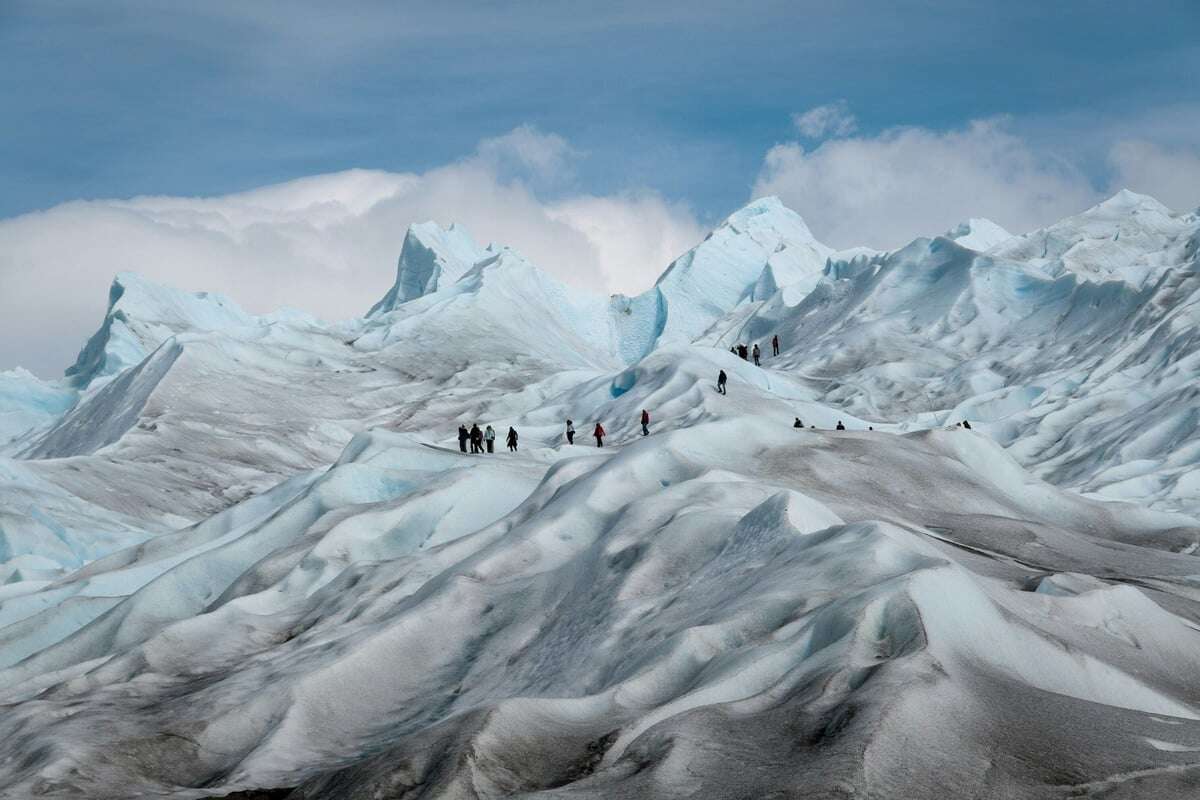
{"x":244,"y":553}
{"x":1129,"y":237}
{"x":1083,"y":365}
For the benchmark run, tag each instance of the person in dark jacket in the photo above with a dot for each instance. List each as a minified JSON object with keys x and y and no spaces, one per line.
{"x":512,"y":439}
{"x":743,"y":352}
{"x":599,"y":434}
{"x":462,"y":437}
{"x":840,"y":426}
{"x":797,"y":423}
{"x":645,"y":422}
{"x":570,"y":432}
{"x":721,"y":382}
{"x":966,"y":425}
{"x":775,"y":345}
{"x":757,"y":354}
{"x":476,"y":439}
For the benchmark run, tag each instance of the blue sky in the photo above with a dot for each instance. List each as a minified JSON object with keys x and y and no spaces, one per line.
{"x":600,"y":139}
{"x":122,"y":98}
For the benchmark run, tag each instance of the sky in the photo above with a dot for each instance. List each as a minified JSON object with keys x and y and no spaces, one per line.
{"x":600,"y":139}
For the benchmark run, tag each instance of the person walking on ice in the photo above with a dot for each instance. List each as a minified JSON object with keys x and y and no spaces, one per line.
{"x":476,"y":439}
{"x":721,"y":382}
{"x":462,"y":437}
{"x":645,"y":422}
{"x":489,"y":436}
{"x":775,"y":345}
{"x":757,"y":354}
{"x":599,"y":434}
{"x":840,"y":426}
{"x":570,"y":432}
{"x":512,"y":439}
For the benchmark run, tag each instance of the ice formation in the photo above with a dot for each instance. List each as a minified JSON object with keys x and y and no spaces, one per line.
{"x":243,"y":554}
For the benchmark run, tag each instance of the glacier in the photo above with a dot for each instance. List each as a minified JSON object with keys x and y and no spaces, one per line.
{"x":242,"y":556}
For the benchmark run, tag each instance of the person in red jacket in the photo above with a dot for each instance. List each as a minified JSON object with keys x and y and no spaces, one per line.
{"x":599,"y":434}
{"x":645,"y":422}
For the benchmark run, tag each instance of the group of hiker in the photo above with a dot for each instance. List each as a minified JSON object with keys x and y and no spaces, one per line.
{"x":839,"y":426}
{"x":746,"y":353}
{"x":479,"y":439}
{"x":798,"y":424}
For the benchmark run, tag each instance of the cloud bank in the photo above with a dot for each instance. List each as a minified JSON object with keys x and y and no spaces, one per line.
{"x":884,"y":190}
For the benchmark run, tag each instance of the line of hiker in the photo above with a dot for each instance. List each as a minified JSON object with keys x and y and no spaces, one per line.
{"x":483,"y":440}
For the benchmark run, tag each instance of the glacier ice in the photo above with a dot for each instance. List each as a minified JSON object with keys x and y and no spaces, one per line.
{"x":243,"y":553}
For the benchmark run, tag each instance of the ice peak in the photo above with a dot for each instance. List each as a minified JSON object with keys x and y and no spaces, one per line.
{"x":135,"y":296}
{"x":1128,"y":202}
{"x":978,"y":233}
{"x":768,"y":213}
{"x":141,"y":315}
{"x":431,"y":257}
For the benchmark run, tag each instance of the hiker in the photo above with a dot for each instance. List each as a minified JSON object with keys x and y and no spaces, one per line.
{"x":775,"y":345}
{"x":721,"y":382}
{"x":966,"y":425}
{"x":570,"y":432}
{"x":462,"y":437}
{"x":757,"y":353}
{"x":476,"y":439}
{"x":599,"y":434}
{"x":840,"y":426}
{"x":512,"y":439}
{"x":797,"y":423}
{"x":645,"y":422}
{"x":489,"y":436}
{"x":733,"y":350}
{"x":743,"y":353}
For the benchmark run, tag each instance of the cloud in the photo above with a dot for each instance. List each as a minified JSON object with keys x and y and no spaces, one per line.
{"x":327,"y":244}
{"x":1172,"y":175}
{"x":832,"y":119}
{"x":526,"y":150}
{"x":885,"y":190}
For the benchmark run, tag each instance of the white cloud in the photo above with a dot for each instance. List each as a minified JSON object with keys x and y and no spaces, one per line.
{"x":830,"y":120}
{"x":525,"y":149}
{"x":327,"y":244}
{"x":883,"y":191}
{"x":1171,"y":175}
